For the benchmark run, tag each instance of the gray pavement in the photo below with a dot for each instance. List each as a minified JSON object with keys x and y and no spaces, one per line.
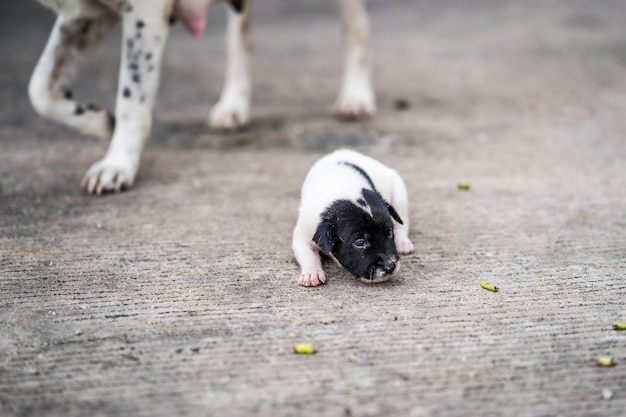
{"x":179,"y":298}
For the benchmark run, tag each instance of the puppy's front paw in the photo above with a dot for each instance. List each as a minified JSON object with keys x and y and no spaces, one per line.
{"x":230,"y":113}
{"x":404,"y":245}
{"x":109,"y":174}
{"x":312,"y":279}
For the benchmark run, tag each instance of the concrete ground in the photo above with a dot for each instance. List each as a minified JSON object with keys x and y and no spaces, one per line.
{"x":179,"y":297}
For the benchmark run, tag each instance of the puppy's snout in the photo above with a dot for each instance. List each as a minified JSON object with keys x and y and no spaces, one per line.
{"x":389,"y":266}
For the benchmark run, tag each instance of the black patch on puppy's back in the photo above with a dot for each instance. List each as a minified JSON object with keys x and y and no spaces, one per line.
{"x":360,"y":171}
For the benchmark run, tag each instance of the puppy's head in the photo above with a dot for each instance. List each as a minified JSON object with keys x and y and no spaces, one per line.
{"x":360,"y":237}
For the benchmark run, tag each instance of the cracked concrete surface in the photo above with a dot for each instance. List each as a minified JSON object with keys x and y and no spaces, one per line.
{"x":179,"y":297}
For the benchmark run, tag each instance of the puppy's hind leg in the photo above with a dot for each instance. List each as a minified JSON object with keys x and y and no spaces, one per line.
{"x":356,"y":97}
{"x":232,"y":110}
{"x":71,"y":41}
{"x":144,"y":33}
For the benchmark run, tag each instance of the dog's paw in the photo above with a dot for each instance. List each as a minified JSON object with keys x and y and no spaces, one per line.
{"x":356,"y":103}
{"x":312,"y":279}
{"x":109,"y":175}
{"x":404,"y":245}
{"x":230,"y":114}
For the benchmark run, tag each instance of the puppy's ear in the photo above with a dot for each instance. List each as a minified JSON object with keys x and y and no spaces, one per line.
{"x":324,"y":237}
{"x":393,"y":213}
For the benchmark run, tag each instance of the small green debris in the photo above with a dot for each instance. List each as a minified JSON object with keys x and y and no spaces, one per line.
{"x":207,"y":128}
{"x":619,"y":326}
{"x":304,"y":348}
{"x":463,"y":185}
{"x":606,"y":361}
{"x":489,"y":286}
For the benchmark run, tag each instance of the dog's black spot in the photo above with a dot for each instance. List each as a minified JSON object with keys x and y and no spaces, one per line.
{"x":361,"y":243}
{"x":126,"y":92}
{"x":138,"y":35}
{"x":150,"y":68}
{"x":79,"y":110}
{"x":172,"y":20}
{"x":133,"y":66}
{"x":148,"y":56}
{"x":140,"y":24}
{"x":68,"y":94}
{"x":238,"y":5}
{"x":129,"y":8}
{"x":136,"y":78}
{"x":130,"y":43}
{"x":93,"y":107}
{"x":84,"y":29}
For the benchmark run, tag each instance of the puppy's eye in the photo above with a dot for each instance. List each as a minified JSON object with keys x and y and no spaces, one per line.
{"x":360,"y":243}
{"x":390,"y":234}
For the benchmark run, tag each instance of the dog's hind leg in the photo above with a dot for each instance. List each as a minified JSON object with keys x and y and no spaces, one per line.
{"x":232,"y":110}
{"x":356,"y":97}
{"x":71,"y":41}
{"x":144,"y":33}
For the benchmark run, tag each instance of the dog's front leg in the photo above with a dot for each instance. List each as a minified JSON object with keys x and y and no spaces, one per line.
{"x":232,"y":110}
{"x":356,"y":97}
{"x":144,"y":33}
{"x":308,"y":256}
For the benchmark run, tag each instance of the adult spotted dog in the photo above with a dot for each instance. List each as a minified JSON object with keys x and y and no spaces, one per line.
{"x":82,"y":24}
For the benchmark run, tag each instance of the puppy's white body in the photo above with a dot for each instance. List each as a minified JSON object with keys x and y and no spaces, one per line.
{"x":330,"y":180}
{"x":82,"y":24}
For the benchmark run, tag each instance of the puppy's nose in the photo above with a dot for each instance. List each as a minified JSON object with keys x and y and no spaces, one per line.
{"x":389,"y":266}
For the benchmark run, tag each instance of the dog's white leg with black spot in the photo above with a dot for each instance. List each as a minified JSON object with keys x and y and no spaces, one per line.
{"x":71,"y":41}
{"x":232,"y":110}
{"x":356,"y":97}
{"x":400,"y":201}
{"x":145,"y":30}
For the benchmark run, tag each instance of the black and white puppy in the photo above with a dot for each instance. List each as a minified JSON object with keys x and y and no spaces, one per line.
{"x":354,"y":209}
